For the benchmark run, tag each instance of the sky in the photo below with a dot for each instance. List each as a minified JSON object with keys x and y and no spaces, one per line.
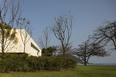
{"x":88,"y":15}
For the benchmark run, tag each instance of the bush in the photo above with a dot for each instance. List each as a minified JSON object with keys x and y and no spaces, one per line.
{"x":23,"y":62}
{"x":69,"y":63}
{"x":13,"y":62}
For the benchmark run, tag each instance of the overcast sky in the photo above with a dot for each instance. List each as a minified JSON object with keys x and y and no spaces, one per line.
{"x":88,"y":15}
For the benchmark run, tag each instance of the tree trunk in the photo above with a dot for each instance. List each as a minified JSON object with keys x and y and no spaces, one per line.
{"x":63,"y":49}
{"x":85,"y":56}
{"x":84,"y":63}
{"x":63,"y":54}
{"x":2,"y":50}
{"x":2,"y":44}
{"x":115,"y":35}
{"x":46,"y":51}
{"x":24,"y":48}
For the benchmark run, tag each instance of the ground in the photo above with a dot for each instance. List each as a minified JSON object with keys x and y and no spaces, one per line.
{"x":79,"y":71}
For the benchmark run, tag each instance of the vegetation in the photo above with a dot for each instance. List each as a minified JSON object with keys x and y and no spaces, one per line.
{"x":9,"y":9}
{"x":8,"y":39}
{"x":9,"y":36}
{"x":88,"y":49}
{"x":79,"y":71}
{"x":70,"y":56}
{"x":25,"y":63}
{"x":106,"y":34}
{"x":62,"y":30}
{"x":24,"y":29}
{"x":49,"y":50}
{"x":44,"y":40}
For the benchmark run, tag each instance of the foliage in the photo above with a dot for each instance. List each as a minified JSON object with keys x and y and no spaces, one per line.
{"x":71,"y":56}
{"x":14,"y":62}
{"x":8,"y":9}
{"x":25,"y":63}
{"x":49,"y":50}
{"x":9,"y":34}
{"x":88,"y":49}
{"x":8,"y":39}
{"x":50,"y":63}
{"x":105,"y":34}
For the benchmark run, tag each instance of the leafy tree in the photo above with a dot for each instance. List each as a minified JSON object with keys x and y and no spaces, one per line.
{"x":49,"y":50}
{"x":8,"y":9}
{"x":106,"y":34}
{"x":62,"y":30}
{"x":9,"y":37}
{"x":88,"y":49}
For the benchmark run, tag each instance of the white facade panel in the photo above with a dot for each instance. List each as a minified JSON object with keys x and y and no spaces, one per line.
{"x":31,"y":47}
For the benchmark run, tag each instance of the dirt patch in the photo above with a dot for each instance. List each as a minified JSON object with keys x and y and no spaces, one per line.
{"x":63,"y":69}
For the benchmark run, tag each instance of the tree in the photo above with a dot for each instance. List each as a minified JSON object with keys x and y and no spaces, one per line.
{"x":68,"y":50}
{"x":88,"y":49}
{"x":55,"y":51}
{"x":45,"y":39}
{"x":62,"y":29}
{"x":71,"y":56}
{"x":105,"y":34}
{"x":49,"y":50}
{"x":9,"y":8}
{"x":9,"y":37}
{"x":25,"y":30}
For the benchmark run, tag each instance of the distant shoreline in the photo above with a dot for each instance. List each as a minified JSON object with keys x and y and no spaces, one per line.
{"x":99,"y":64}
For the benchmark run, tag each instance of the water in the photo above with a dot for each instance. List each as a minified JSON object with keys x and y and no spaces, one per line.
{"x":100,"y":64}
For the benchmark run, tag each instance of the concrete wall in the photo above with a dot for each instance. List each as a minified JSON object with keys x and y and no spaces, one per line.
{"x":31,"y":47}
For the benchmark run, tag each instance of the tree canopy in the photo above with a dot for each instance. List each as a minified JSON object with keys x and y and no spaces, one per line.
{"x":9,"y":36}
{"x":105,"y":34}
{"x":62,"y":30}
{"x":88,"y":49}
{"x":49,"y":50}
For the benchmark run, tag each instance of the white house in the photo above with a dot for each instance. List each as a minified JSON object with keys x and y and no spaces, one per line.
{"x":31,"y":47}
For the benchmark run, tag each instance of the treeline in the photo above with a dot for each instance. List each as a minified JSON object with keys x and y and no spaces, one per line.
{"x":25,"y":63}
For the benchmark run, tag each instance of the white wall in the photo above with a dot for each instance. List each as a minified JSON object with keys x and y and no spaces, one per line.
{"x":19,"y":47}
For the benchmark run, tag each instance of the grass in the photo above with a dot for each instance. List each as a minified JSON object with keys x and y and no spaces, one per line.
{"x":79,"y":71}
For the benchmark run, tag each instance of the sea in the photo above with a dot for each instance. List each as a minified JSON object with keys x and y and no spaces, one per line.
{"x":100,"y":64}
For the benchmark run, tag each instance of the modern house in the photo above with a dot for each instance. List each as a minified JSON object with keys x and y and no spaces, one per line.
{"x":31,"y":47}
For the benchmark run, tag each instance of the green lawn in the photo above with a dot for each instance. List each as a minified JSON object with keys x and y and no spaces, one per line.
{"x":79,"y":71}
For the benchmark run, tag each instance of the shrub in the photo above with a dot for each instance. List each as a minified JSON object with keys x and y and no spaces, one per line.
{"x":23,"y":62}
{"x":69,"y":63}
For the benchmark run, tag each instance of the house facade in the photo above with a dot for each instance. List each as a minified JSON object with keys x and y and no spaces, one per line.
{"x":31,"y":47}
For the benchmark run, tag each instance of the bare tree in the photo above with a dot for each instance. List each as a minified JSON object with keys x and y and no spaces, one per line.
{"x":105,"y":34}
{"x":9,"y":9}
{"x":88,"y":49}
{"x":45,"y":39}
{"x":68,"y":50}
{"x":55,"y":52}
{"x":62,"y":29}
{"x":25,"y":30}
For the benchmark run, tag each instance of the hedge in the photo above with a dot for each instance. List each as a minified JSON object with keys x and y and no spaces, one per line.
{"x":25,"y":63}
